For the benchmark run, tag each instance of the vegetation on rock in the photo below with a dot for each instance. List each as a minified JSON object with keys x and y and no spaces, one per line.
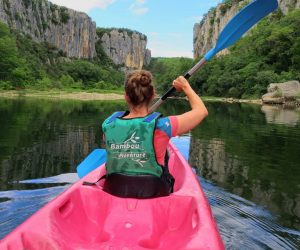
{"x":269,"y":53}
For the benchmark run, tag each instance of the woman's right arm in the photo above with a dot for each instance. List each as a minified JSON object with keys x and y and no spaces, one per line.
{"x":198,"y":112}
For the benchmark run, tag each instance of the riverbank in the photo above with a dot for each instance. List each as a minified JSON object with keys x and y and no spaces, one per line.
{"x":65,"y":95}
{"x":232,"y":100}
{"x":293,"y":105}
{"x":91,"y":96}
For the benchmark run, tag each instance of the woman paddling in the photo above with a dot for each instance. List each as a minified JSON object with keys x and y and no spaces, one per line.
{"x":136,"y":141}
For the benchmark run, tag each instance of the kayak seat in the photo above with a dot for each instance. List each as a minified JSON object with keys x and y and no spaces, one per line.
{"x":177,"y":216}
{"x":136,"y":186}
{"x":80,"y":218}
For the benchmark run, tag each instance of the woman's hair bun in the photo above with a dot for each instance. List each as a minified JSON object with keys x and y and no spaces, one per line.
{"x":138,"y":87}
{"x":145,"y":78}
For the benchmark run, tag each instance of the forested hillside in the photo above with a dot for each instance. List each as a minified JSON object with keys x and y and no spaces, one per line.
{"x":269,"y":53}
{"x":25,"y":63}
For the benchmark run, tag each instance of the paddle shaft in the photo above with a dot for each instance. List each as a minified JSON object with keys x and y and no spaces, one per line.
{"x":187,"y":75}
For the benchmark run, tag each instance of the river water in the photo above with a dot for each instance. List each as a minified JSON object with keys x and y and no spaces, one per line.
{"x":246,"y":157}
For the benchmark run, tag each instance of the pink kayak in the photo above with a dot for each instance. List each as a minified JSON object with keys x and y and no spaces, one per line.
{"x":86,"y":217}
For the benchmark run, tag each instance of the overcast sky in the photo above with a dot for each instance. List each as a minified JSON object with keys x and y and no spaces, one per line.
{"x":168,"y":24}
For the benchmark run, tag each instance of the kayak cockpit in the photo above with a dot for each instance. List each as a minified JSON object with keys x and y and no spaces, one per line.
{"x":89,"y":218}
{"x":81,"y":220}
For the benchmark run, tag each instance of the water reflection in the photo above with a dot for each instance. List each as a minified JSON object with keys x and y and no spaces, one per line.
{"x":279,"y":115}
{"x":44,"y":138}
{"x":239,"y":151}
{"x":242,"y":223}
{"x":236,"y":148}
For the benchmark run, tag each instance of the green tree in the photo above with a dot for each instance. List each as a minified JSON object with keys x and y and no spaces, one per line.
{"x":8,"y":52}
{"x":67,"y":80}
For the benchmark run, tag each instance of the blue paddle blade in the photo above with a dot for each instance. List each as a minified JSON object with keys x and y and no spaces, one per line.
{"x":95,"y":159}
{"x":241,"y":23}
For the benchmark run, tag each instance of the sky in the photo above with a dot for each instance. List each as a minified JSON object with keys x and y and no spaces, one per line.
{"x":168,"y":24}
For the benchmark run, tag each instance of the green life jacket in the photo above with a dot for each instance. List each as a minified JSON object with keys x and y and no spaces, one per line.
{"x":129,"y":145}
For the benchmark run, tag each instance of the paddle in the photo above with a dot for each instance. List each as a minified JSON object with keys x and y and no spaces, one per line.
{"x":95,"y":159}
{"x":232,"y":32}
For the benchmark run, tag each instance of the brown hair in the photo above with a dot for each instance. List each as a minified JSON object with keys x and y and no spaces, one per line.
{"x":138,"y":87}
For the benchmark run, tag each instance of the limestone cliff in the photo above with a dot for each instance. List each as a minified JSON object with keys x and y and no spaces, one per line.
{"x":73,"y":32}
{"x":287,"y":5}
{"x":125,"y":47}
{"x":206,"y":32}
{"x":70,"y":31}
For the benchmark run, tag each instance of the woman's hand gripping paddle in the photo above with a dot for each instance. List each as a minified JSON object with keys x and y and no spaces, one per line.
{"x":233,"y":31}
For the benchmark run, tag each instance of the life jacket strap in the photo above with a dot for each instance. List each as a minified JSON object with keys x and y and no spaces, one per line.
{"x":151,"y":117}
{"x":115,"y":116}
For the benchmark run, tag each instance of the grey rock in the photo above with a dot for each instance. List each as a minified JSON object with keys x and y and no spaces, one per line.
{"x":126,"y":49}
{"x":288,"y":89}
{"x":280,"y":93}
{"x":70,"y":31}
{"x":287,"y":5}
{"x":147,"y":59}
{"x":270,"y":99}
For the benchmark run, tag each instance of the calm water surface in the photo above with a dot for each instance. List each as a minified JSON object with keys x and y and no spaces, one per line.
{"x":246,"y":156}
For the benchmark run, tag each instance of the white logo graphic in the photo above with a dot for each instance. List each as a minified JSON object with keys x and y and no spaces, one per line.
{"x":133,"y":138}
{"x":130,"y":145}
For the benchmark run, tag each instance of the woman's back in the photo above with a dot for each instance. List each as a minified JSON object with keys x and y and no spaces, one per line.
{"x":137,"y":164}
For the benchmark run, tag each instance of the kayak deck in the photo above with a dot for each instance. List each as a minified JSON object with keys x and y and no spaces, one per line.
{"x":86,"y":217}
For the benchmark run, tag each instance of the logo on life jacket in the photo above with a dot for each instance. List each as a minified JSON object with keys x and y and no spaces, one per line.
{"x":130,"y":144}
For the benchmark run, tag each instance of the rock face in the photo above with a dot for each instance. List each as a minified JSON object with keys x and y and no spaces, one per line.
{"x":280,"y":93}
{"x":147,"y":57}
{"x":70,"y":31}
{"x":207,"y":31}
{"x":73,"y":32}
{"x":287,"y":5}
{"x":128,"y":48}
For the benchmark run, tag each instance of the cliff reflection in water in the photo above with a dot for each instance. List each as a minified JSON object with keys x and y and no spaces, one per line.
{"x":238,"y":149}
{"x":46,"y":138}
